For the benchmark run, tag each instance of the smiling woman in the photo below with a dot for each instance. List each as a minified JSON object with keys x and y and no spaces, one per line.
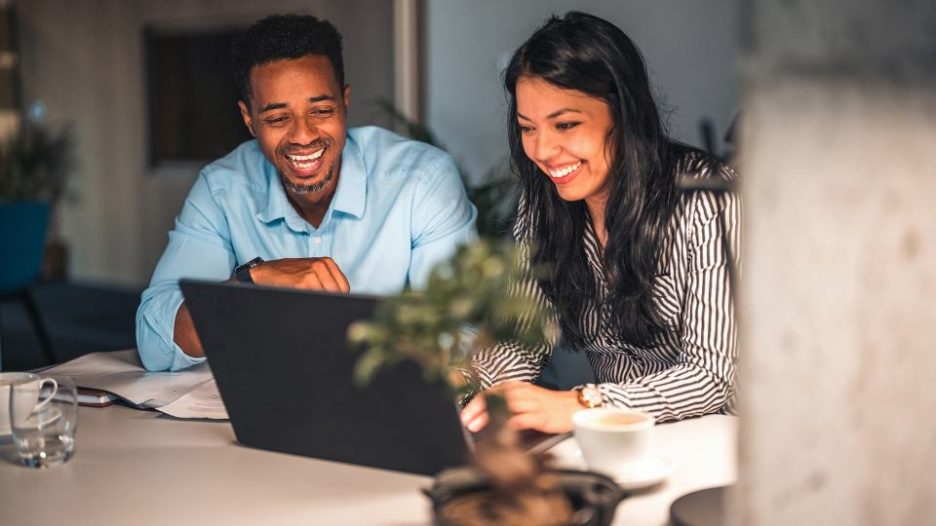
{"x":641,"y":270}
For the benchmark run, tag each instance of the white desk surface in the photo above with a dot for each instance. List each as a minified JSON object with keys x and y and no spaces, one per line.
{"x":140,"y":467}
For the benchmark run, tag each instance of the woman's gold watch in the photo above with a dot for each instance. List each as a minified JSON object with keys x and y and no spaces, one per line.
{"x":589,"y":396}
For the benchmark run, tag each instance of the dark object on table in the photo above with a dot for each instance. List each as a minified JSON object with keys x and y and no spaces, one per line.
{"x":301,"y":398}
{"x":699,"y":508}
{"x":594,"y":497}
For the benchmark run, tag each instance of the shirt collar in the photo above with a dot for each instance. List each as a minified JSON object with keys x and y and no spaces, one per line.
{"x":350,"y":194}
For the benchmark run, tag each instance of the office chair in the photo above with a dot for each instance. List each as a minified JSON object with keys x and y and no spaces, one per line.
{"x":22,"y":243}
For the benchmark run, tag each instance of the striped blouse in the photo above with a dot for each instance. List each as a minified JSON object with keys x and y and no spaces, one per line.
{"x":689,"y":368}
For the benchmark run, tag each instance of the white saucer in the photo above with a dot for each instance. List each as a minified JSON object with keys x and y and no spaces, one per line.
{"x":655,"y":469}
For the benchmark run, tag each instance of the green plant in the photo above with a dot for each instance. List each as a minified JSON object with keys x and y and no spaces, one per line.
{"x":34,"y":163}
{"x":495,"y":197}
{"x":467,"y":305}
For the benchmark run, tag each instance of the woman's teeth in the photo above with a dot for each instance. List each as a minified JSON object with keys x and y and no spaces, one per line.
{"x":562,"y":172}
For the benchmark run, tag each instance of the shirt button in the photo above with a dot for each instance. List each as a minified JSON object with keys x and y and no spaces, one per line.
{"x":317,"y":240}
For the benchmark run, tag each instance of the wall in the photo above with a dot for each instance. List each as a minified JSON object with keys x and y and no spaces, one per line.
{"x":840,"y":264}
{"x":690,"y":46}
{"x":83,"y":60}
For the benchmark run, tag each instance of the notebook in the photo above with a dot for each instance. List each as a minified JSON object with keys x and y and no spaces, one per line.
{"x":284,"y":371}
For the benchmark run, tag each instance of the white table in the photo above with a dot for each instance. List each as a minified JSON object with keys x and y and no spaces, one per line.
{"x":138,"y":467}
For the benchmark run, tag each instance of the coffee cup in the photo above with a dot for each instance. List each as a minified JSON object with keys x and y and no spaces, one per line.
{"x":32,"y":384}
{"x":614,"y":441}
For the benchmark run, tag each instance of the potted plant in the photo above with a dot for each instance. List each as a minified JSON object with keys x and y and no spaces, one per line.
{"x":34,"y":163}
{"x":467,"y":306}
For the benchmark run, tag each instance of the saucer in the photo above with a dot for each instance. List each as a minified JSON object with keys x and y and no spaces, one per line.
{"x":653,"y":470}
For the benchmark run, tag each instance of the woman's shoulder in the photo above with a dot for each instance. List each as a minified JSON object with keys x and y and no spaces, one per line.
{"x":706,"y":185}
{"x":692,"y":165}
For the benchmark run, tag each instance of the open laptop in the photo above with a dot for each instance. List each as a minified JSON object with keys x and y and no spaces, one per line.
{"x":284,"y":370}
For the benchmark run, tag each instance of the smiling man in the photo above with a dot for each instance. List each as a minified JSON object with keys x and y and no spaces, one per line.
{"x":310,"y":203}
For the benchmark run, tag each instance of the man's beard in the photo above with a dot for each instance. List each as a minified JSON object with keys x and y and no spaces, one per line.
{"x":302,"y":189}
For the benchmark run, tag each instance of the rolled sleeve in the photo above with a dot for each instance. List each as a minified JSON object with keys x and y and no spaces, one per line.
{"x":199,"y":248}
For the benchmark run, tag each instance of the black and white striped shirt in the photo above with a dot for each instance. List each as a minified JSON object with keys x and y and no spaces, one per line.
{"x":689,"y":369}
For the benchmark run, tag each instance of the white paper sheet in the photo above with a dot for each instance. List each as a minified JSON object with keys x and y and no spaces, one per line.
{"x":121,"y":373}
{"x":202,"y":402}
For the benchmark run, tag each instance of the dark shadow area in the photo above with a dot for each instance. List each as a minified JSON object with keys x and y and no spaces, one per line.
{"x":79,"y":319}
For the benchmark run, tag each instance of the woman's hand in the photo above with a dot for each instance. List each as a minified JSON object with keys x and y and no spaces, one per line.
{"x":531,"y":407}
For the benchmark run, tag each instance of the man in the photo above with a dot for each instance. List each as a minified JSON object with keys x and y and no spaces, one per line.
{"x":309,"y":203}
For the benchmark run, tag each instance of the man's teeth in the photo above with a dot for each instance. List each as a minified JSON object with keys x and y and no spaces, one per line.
{"x":305,"y":162}
{"x":301,"y":158}
{"x":559,"y":174}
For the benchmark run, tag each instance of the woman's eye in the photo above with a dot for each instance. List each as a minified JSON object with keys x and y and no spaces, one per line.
{"x":566,"y":125}
{"x":525,"y":129}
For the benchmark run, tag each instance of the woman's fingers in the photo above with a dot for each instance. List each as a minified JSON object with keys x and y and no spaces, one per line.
{"x":474,"y":415}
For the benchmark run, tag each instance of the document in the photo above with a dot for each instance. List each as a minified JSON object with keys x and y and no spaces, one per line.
{"x":202,"y":402}
{"x":121,"y":373}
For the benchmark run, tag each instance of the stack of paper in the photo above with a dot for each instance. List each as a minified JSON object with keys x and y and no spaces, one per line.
{"x":191,"y":393}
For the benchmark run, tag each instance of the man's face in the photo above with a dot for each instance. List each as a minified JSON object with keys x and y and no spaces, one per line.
{"x":298,"y":114}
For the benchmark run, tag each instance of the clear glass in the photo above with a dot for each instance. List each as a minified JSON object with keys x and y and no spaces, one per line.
{"x":44,"y":415}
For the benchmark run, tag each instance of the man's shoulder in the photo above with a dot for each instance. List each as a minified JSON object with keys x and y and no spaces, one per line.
{"x":389,"y":154}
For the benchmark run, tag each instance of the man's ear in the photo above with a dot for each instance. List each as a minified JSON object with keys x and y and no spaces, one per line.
{"x":346,"y":95}
{"x":245,"y":114}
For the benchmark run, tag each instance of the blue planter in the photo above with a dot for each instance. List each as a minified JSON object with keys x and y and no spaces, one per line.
{"x":23,"y":227}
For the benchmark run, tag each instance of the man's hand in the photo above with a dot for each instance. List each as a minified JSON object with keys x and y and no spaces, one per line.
{"x":302,"y":273}
{"x":531,"y":407}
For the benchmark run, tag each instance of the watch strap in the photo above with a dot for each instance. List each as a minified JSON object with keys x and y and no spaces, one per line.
{"x":242,"y":272}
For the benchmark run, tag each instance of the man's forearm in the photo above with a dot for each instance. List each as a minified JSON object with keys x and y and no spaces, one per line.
{"x":184,"y":333}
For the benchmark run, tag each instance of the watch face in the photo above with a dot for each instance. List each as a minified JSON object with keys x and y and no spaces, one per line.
{"x":590,"y":396}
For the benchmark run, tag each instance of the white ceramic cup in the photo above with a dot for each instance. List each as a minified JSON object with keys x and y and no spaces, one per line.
{"x":614,"y":441}
{"x":30,"y":379}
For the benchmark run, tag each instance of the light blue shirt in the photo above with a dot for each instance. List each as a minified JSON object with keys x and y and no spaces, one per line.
{"x":400,"y":207}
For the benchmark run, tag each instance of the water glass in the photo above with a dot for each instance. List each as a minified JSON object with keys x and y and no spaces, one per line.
{"x":43,"y":416}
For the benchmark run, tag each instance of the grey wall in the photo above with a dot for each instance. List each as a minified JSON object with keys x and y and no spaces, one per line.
{"x":691,"y":47}
{"x":84,"y":61}
{"x":840,"y":264}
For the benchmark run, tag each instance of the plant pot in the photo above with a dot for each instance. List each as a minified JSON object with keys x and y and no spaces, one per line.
{"x":23,"y":227}
{"x":594,"y":497}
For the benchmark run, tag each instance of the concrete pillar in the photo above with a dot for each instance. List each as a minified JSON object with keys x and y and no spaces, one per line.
{"x":838,"y":157}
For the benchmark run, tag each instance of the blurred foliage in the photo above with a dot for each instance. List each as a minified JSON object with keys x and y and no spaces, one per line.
{"x":467,"y":305}
{"x":495,"y":197}
{"x":34,"y":163}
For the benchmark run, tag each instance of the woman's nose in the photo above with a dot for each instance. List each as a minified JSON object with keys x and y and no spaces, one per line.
{"x":546,"y":147}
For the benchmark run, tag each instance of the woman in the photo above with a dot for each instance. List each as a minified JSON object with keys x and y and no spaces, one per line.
{"x":641,"y":275}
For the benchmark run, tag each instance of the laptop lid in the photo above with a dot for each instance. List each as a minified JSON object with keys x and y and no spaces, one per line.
{"x":284,"y":370}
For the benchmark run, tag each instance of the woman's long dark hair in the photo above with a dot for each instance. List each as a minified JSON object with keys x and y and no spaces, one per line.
{"x":591,"y":55}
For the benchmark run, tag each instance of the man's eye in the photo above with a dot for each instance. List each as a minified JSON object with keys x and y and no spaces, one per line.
{"x":566,"y":125}
{"x":323,"y":112}
{"x":275,"y":121}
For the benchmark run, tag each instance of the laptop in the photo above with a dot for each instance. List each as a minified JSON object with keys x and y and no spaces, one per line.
{"x":284,"y":370}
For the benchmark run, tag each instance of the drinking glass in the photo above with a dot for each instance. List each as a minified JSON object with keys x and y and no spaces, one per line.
{"x":43,"y":416}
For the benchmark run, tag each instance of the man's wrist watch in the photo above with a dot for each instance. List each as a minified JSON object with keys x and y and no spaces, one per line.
{"x":589,"y":396}
{"x":242,"y":272}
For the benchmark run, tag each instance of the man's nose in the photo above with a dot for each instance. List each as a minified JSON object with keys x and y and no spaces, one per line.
{"x":302,"y":132}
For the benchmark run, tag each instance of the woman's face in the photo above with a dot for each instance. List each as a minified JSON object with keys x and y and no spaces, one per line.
{"x":565,"y":133}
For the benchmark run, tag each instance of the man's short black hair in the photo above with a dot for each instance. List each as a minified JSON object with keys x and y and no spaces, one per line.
{"x":281,"y":37}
